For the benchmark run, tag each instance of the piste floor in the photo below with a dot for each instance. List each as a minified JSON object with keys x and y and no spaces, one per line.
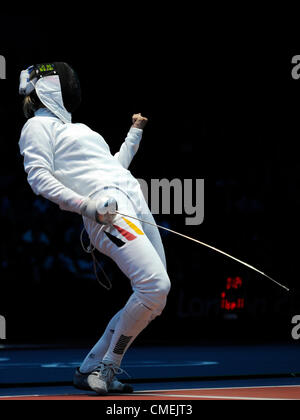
{"x":159,"y":373}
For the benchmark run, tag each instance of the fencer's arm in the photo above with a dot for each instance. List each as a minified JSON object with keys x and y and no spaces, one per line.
{"x":37,"y":149}
{"x":130,"y":147}
{"x":132,"y":141}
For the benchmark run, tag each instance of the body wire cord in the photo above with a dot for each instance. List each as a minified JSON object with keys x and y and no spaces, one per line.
{"x":90,"y":250}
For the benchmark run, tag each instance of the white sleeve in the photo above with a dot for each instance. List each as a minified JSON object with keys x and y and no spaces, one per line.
{"x":129,"y":147}
{"x":36,"y":146}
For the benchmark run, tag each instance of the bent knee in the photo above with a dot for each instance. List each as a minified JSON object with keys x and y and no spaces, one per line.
{"x":159,"y":296}
{"x":164,"y":285}
{"x":153,"y":291}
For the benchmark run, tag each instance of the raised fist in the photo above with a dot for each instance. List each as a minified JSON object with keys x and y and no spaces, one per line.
{"x":139,"y":121}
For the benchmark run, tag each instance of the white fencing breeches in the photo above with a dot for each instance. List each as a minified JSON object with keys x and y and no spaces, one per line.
{"x":138,"y":251}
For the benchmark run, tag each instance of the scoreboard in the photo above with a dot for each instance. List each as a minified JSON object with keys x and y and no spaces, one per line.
{"x":232,"y":301}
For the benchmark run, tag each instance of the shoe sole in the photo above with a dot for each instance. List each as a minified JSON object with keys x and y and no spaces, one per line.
{"x":125,"y":390}
{"x":99,"y":392}
{"x":89,"y":388}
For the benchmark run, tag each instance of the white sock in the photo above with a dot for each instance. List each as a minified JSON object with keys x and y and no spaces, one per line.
{"x":97,"y":353}
{"x":132,"y":321}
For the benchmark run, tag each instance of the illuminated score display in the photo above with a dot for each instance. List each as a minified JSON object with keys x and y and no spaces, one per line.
{"x":232,"y":298}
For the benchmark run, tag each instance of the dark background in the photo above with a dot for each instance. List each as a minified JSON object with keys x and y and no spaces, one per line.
{"x":223,"y":106}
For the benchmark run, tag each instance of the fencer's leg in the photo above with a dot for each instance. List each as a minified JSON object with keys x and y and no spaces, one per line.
{"x":141,"y":263}
{"x":134,"y":319}
{"x":98,"y":352}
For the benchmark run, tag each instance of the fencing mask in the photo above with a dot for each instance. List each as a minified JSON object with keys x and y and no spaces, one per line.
{"x":56,"y":85}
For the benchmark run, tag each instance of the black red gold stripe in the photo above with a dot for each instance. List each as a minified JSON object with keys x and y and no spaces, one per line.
{"x":115,"y":240}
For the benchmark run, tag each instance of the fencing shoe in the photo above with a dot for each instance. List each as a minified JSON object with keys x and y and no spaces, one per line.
{"x":102,"y":380}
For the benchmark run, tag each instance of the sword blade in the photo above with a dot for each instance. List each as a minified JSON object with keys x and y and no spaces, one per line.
{"x":207,"y":246}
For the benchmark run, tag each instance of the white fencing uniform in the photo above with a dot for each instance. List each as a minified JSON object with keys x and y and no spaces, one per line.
{"x":66,"y":163}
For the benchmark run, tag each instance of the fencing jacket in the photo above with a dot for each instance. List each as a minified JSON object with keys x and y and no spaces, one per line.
{"x":68,"y":162}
